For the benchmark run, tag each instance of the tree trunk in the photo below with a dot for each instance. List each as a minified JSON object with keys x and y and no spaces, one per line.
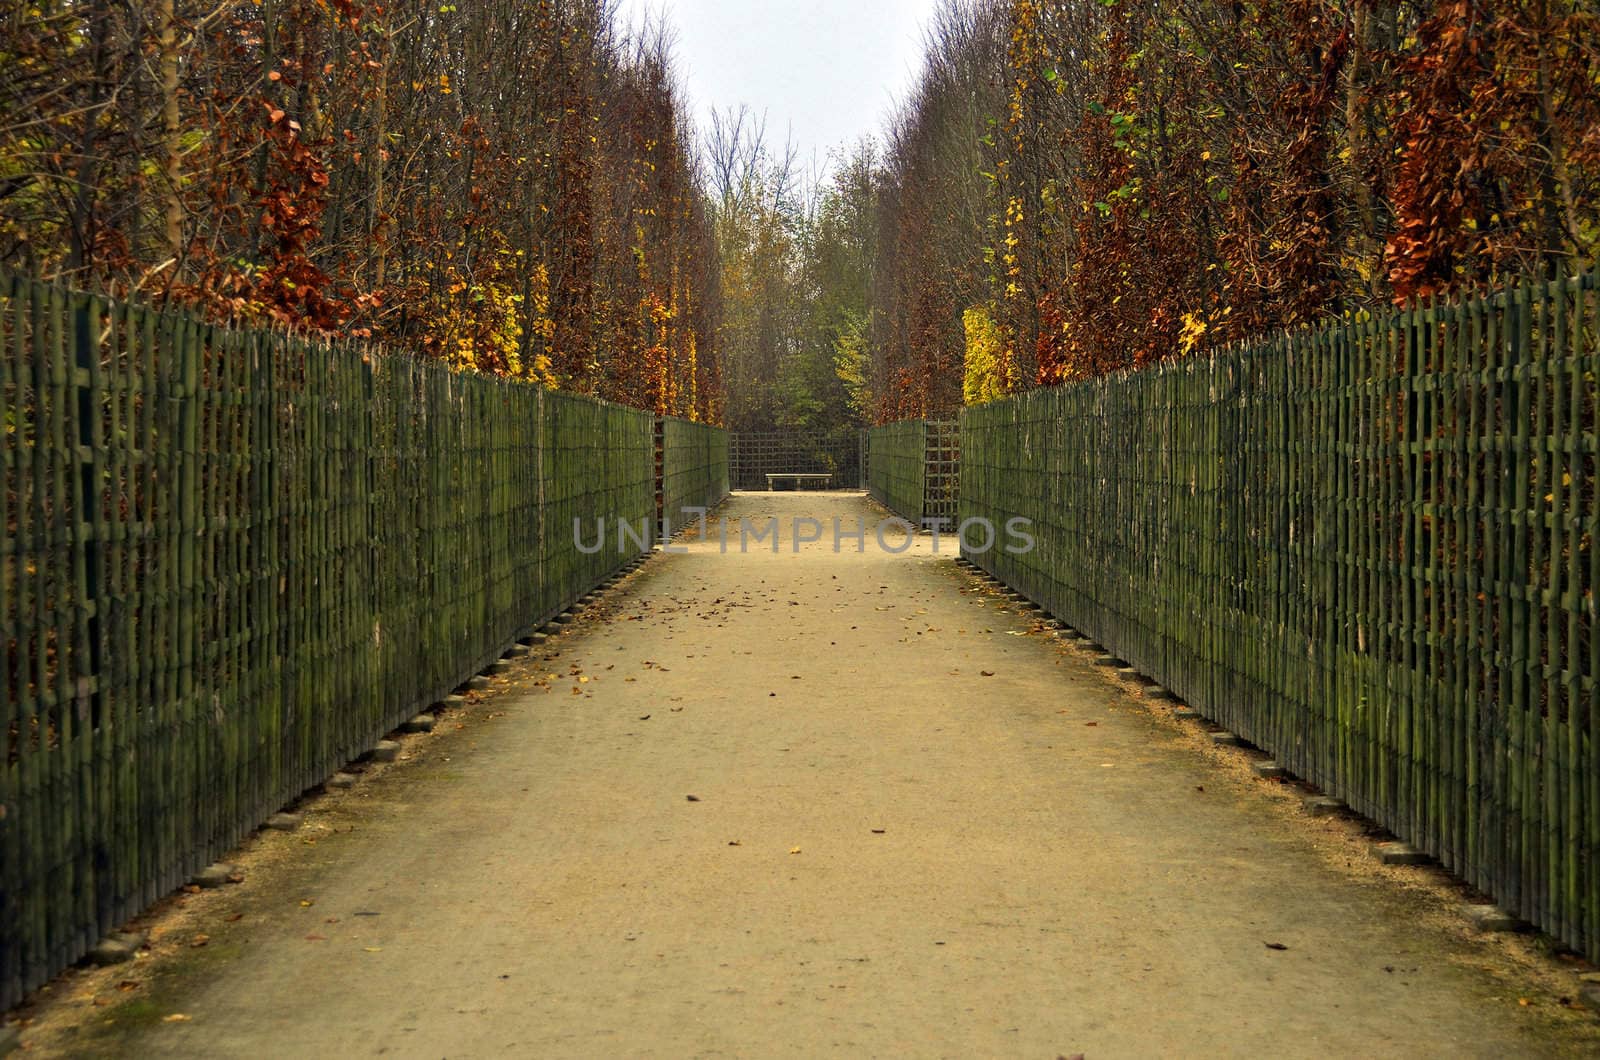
{"x":171,"y":160}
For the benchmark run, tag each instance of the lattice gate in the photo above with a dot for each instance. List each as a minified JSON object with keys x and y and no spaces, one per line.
{"x":754,"y":455}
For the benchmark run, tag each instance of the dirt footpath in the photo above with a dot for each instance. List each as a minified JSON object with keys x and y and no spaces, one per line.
{"x":757,"y":805}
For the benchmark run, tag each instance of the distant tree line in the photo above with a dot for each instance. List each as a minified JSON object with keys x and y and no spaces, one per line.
{"x":1073,"y":186}
{"x":1076,"y":186}
{"x":797,"y":249}
{"x":506,"y":185}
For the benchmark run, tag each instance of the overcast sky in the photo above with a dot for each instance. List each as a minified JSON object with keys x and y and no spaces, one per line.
{"x":825,"y":71}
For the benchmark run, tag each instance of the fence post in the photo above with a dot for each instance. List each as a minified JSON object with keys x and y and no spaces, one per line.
{"x":658,"y":428}
{"x":91,"y":532}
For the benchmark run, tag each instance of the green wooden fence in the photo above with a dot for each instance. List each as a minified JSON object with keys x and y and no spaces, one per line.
{"x":1369,"y":549}
{"x":231,"y":561}
{"x":912,"y":468}
{"x":694,"y":470}
{"x":896,"y":468}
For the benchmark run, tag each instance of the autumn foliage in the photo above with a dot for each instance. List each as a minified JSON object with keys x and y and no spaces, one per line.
{"x":509,"y":186}
{"x":1114,"y":181}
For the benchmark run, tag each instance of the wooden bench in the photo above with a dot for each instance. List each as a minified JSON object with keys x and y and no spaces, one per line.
{"x":822,"y":479}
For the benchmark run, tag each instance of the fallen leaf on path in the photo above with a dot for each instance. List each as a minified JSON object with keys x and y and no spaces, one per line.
{"x":176,"y":1017}
{"x":878,"y":831}
{"x":373,"y":949}
{"x":735,"y":843}
{"x":198,"y":941}
{"x":691,"y":798}
{"x":644,"y":717}
{"x":794,"y":850}
{"x":1274,"y":945}
{"x":306,"y":903}
{"x":986,"y":673}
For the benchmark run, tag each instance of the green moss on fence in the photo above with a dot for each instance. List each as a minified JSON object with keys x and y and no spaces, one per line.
{"x":694,"y":470}
{"x":912,"y":469}
{"x":1368,"y":549}
{"x":231,"y":561}
{"x":896,"y":467}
